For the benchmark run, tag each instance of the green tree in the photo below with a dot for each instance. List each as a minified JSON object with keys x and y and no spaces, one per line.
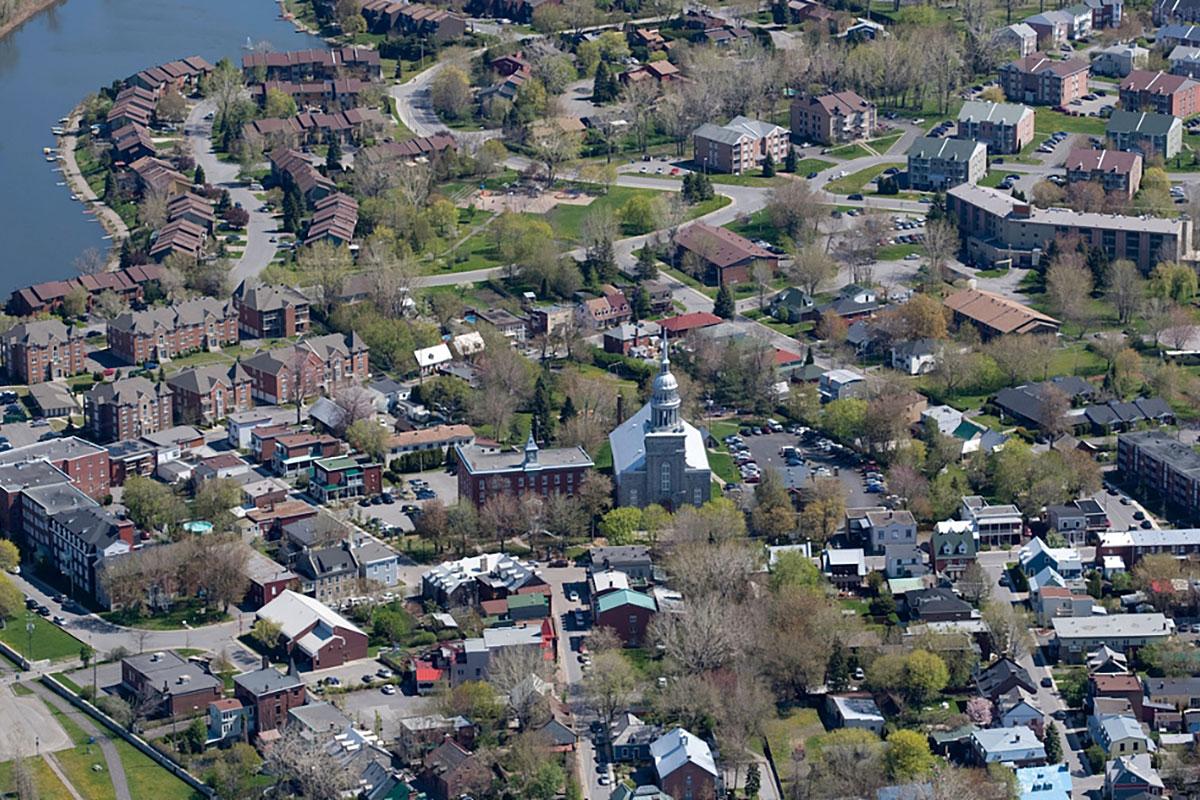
{"x":85,"y":654}
{"x":620,"y":525}
{"x":12,"y":601}
{"x":368,"y":436}
{"x":768,"y":166}
{"x":753,"y":780}
{"x":194,"y":736}
{"x":1054,"y":753}
{"x":844,"y":419}
{"x":723,"y":306}
{"x":641,"y":214}
{"x":640,"y":302}
{"x":1096,"y":759}
{"x":647,"y":264}
{"x":214,"y":501}
{"x":333,"y":157}
{"x":908,"y":756}
{"x":198,"y":177}
{"x":602,"y":85}
{"x":543,"y":412}
{"x":391,"y":625}
{"x":837,"y":672}
{"x":568,"y":411}
{"x":152,"y":505}
{"x":266,"y":633}
{"x":10,"y":556}
{"x":789,"y":162}
{"x":292,"y":211}
{"x":793,"y":569}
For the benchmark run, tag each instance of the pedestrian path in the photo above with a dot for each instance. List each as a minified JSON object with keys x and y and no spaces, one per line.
{"x":112,"y":758}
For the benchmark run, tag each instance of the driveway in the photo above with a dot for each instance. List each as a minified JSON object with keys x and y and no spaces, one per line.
{"x":259,"y":247}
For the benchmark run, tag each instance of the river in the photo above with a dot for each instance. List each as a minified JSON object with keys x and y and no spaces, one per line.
{"x":61,"y":55}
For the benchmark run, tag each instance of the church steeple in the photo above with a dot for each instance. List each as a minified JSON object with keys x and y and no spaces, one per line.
{"x":665,"y":402}
{"x":531,"y":451}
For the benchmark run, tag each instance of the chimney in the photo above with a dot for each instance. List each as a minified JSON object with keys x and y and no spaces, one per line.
{"x":266,"y":663}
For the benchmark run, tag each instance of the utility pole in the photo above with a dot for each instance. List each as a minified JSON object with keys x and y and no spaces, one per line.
{"x":29,"y":636}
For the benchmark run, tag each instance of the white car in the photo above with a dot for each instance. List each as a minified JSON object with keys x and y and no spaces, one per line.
{"x":389,"y":690}
{"x":573,"y":597}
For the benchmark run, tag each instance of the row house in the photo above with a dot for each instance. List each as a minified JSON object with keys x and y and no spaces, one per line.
{"x":314,"y":64}
{"x":412,"y":150}
{"x":832,"y":118}
{"x":993,"y":525}
{"x":340,"y":94}
{"x":322,"y":364}
{"x":129,"y":284}
{"x":389,"y":16}
{"x":742,"y":144}
{"x":204,"y":395}
{"x":1160,"y":92}
{"x":996,"y":227}
{"x":334,"y":219}
{"x":183,"y":75}
{"x":181,"y":238}
{"x":1115,"y":170}
{"x":270,"y":312}
{"x":43,"y":350}
{"x":1173,"y":13}
{"x":1004,"y":127}
{"x":193,"y":208}
{"x":315,"y":127}
{"x":133,"y":105}
{"x":291,"y":168}
{"x":159,"y":334}
{"x":153,"y":176}
{"x":127,"y":409}
{"x":1039,"y":80}
{"x":610,"y":308}
{"x":131,"y":142}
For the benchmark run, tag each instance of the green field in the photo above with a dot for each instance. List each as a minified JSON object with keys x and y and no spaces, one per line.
{"x":884,"y":144}
{"x":1048,"y":121}
{"x":151,"y":780}
{"x":849,"y":151}
{"x":855,"y":182}
{"x":49,"y":641}
{"x":47,"y":783}
{"x":722,"y":466}
{"x":807,"y":165}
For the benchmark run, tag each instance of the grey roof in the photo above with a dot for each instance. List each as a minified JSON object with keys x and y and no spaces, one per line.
{"x":857,"y":708}
{"x":64,"y":448}
{"x":479,"y":459}
{"x":994,"y":201}
{"x":1145,"y":123}
{"x":618,"y":556}
{"x":166,"y":672}
{"x":372,"y":551}
{"x":185,"y":314}
{"x":496,"y":567}
{"x":267,"y":681}
{"x":983,"y":111}
{"x":51,"y":395}
{"x":41,"y":333}
{"x":321,"y":718}
{"x":173,"y":436}
{"x":1166,"y":448}
{"x":202,"y":380}
{"x":1113,"y":626}
{"x":58,"y":497}
{"x":92,"y":525}
{"x":30,"y":474}
{"x":737,"y":128}
{"x":316,"y":564}
{"x":269,"y":298}
{"x":929,"y":148}
{"x":126,"y":391}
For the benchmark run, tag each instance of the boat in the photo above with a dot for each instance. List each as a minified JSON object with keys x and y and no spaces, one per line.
{"x":74,"y":197}
{"x":60,"y":183}
{"x":51,"y":158}
{"x":64,"y":120}
{"x":58,"y":130}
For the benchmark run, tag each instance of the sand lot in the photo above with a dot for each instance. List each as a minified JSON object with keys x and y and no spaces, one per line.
{"x":24,"y":719}
{"x":524,"y":202}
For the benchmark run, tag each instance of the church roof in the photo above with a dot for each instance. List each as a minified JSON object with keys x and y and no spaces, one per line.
{"x":629,"y":445}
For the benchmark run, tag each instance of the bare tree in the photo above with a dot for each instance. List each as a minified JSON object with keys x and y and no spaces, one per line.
{"x":305,"y":768}
{"x":555,"y":147}
{"x":1125,"y":287}
{"x":941,"y":243}
{"x":638,"y":101}
{"x":706,"y":635}
{"x":90,"y":262}
{"x":810,"y":267}
{"x":610,"y":685}
{"x":152,"y":211}
{"x":1009,"y":627}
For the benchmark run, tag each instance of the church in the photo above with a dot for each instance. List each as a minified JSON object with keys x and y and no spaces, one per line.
{"x":657,"y":456}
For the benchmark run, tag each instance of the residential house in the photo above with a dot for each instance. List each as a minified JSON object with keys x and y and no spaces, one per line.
{"x":1132,"y":777}
{"x":936,"y":605}
{"x":993,"y":525}
{"x":1051,"y":602}
{"x":505,"y":322}
{"x":915,"y":357}
{"x":1001,"y":677}
{"x":791,"y":305}
{"x":1042,"y":81}
{"x":419,"y":735}
{"x":660,"y":72}
{"x":632,"y":337}
{"x":1147,"y":133}
{"x":1018,"y":37}
{"x":228,"y":720}
{"x":313,"y":64}
{"x":1037,"y":555}
{"x":1075,"y":637}
{"x":684,"y":765}
{"x":1161,"y":93}
{"x":389,"y":16}
{"x":170,"y":685}
{"x":995,"y":315}
{"x":1106,"y":13}
{"x":484,"y":471}
{"x":1053,"y":28}
{"x":270,"y":312}
{"x":627,"y":612}
{"x":720,"y":255}
{"x":633,"y":560}
{"x":469,"y":581}
{"x":1120,"y":686}
{"x":204,"y":395}
{"x":314,"y":635}
{"x":127,"y":408}
{"x":1017,"y":746}
{"x":741,"y":145}
{"x":473,"y":656}
{"x":439,"y":437}
{"x":317,"y":365}
{"x":1115,"y":170}
{"x":292,"y":168}
{"x":1118,"y":60}
{"x":952,"y":547}
{"x":1018,"y":708}
{"x":846,"y":568}
{"x":840,"y":384}
{"x":832,"y":118}
{"x":1051,"y":782}
{"x":854,"y":711}
{"x":269,"y":695}
{"x":43,"y":350}
{"x":1003,"y":127}
{"x":1119,"y":735}
{"x":1106,"y":661}
{"x":267,"y":578}
{"x":159,"y":334}
{"x":631,"y":739}
{"x":937,"y":164}
{"x":345,"y":477}
{"x":1077,"y":519}
{"x":450,"y":772}
{"x":327,"y":573}
{"x":1185,"y":60}
{"x":999,"y":229}
{"x":154,"y":176}
{"x":611,"y":307}
{"x":294,"y":453}
{"x":1181,"y":693}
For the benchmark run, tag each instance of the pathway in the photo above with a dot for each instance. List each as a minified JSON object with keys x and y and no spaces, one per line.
{"x":116,"y":770}
{"x":54,"y":766}
{"x":110,"y":219}
{"x":263,"y":226}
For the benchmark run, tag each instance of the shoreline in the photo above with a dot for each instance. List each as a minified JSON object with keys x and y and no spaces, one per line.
{"x":25,"y":14}
{"x":112,"y":223}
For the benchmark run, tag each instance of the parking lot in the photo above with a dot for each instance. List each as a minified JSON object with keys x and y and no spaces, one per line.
{"x":765,"y":450}
{"x":442,"y":483}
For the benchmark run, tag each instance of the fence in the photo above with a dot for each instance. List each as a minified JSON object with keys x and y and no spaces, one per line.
{"x":108,"y":722}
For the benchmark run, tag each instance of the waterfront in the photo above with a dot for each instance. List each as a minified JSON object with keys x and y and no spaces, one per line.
{"x":68,"y":51}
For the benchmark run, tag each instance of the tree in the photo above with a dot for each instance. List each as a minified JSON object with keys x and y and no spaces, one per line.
{"x":214,"y":500}
{"x":1069,"y":289}
{"x":831,"y":327}
{"x":74,"y":303}
{"x":723,"y":306}
{"x":152,"y":505}
{"x":553,"y":148}
{"x":825,"y":509}
{"x":90,"y":262}
{"x":1054,"y":753}
{"x":641,"y":214}
{"x":306,"y":767}
{"x":450,"y":92}
{"x":595,"y":496}
{"x":1154,"y":574}
{"x":773,"y":515}
{"x":811,"y":267}
{"x":266,"y":633}
{"x":1010,"y":628}
{"x":1125,"y":288}
{"x":979,"y":711}
{"x":12,"y":601}
{"x":789,"y":161}
{"x":10,"y":556}
{"x":908,"y":756}
{"x":333,"y":157}
{"x":768,"y":166}
{"x":610,"y":685}
{"x":620,"y":525}
{"x":279,"y":104}
{"x":171,"y":106}
{"x":796,"y":210}
{"x":975,"y":585}
{"x":753,"y":778}
{"x":23,"y":781}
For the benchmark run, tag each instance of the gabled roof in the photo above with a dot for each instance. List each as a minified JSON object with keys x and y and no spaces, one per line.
{"x":720,"y":247}
{"x":295,"y":612}
{"x":678,"y":747}
{"x":624,"y":597}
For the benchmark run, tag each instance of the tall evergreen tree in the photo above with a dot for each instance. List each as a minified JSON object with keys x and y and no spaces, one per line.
{"x":1054,"y":751}
{"x":723,"y":306}
{"x":647,"y":269}
{"x":543,"y":419}
{"x":198,"y":176}
{"x":789,"y":163}
{"x":291,"y":213}
{"x":568,"y":411}
{"x":768,"y":167}
{"x":600,"y":84}
{"x":837,"y":670}
{"x":333,"y":158}
{"x":640,"y":302}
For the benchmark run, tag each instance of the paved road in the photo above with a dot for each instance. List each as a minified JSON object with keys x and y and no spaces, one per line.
{"x":259,"y":247}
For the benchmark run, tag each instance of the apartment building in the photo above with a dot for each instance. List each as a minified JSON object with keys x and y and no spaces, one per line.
{"x":43,"y":350}
{"x":270,"y":312}
{"x":1118,"y":60}
{"x":741,"y":145}
{"x":993,"y":525}
{"x":128,"y":408}
{"x":995,"y":227}
{"x":1161,"y":468}
{"x":322,"y":364}
{"x":1042,"y":81}
{"x":159,"y":334}
{"x":1017,"y":37}
{"x":1160,"y":92}
{"x":313,"y":64}
{"x":832,"y":118}
{"x":937,"y":164}
{"x":204,"y":395}
{"x":1147,"y":133}
{"x":1003,"y":127}
{"x":1115,"y":170}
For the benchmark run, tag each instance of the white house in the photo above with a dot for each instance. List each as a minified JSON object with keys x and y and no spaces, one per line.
{"x":430,"y":358}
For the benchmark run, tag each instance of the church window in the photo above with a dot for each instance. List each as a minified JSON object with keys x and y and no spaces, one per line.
{"x":664,"y":481}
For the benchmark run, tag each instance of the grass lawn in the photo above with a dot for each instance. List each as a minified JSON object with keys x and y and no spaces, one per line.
{"x":603,"y":457}
{"x":711,"y":291}
{"x":756,"y":226}
{"x":856,"y":181}
{"x":1076,"y":359}
{"x":1048,"y":121}
{"x":849,"y":151}
{"x":884,"y":143}
{"x":79,"y":763}
{"x":793,"y":329}
{"x":47,"y":783}
{"x":787,"y":733}
{"x":722,"y":465}
{"x":708,"y":206}
{"x":566,"y":220}
{"x":806,"y":165}
{"x":49,"y":641}
{"x":150,"y":779}
{"x":993,"y":178}
{"x":62,"y":678}
{"x":720,"y":429}
{"x":895,"y":252}
{"x":999,"y":272}
{"x":171,"y":621}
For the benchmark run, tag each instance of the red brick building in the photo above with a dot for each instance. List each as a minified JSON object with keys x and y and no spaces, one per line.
{"x":162,"y":333}
{"x":129,"y":284}
{"x":719,"y":255}
{"x":269,"y":694}
{"x":322,"y":364}
{"x":1039,"y":80}
{"x":270,"y":312}
{"x":85,"y":465}
{"x":344,"y":477}
{"x":269,"y":520}
{"x":296,"y":452}
{"x":627,"y":612}
{"x":485,"y":471}
{"x":126,"y":409}
{"x":173,"y":685}
{"x":1160,"y":92}
{"x":315,"y":636}
{"x":43,"y":350}
{"x":203,"y":395}
{"x":685,"y":766}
